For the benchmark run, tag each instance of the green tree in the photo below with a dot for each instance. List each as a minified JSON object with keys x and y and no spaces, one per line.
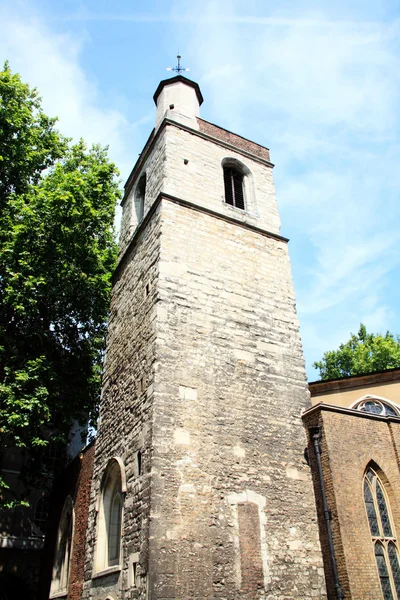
{"x":29,"y":143}
{"x":57,"y":253}
{"x":363,"y":353}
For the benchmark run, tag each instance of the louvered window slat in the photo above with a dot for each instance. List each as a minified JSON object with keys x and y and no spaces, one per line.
{"x":233,"y":182}
{"x":228,"y":186}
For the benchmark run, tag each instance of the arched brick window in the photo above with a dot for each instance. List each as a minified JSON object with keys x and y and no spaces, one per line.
{"x":383,"y":535}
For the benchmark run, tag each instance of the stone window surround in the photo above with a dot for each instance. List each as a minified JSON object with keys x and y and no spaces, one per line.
{"x":247,"y":183}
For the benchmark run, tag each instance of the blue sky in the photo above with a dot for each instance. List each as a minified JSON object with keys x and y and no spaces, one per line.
{"x":316,"y":82}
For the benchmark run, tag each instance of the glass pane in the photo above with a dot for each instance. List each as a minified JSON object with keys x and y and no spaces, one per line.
{"x":394,"y":565}
{"x":372,"y":406}
{"x":383,"y":512}
{"x":390,"y":411}
{"x":383,"y":572}
{"x":369,"y":503}
{"x":370,"y":476}
{"x":114,"y":535}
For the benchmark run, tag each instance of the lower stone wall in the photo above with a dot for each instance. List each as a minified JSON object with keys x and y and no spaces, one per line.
{"x":232,"y":506}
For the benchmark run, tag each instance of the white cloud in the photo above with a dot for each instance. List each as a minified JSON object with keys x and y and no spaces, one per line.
{"x":51,"y":62}
{"x":322,"y":92}
{"x":323,"y":95}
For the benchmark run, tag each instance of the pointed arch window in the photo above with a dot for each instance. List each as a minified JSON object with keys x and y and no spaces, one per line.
{"x":383,"y":535}
{"x":62,"y":558}
{"x":108,"y":552}
{"x":114,"y":533}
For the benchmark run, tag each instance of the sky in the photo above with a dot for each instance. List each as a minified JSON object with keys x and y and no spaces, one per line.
{"x":316,"y":82}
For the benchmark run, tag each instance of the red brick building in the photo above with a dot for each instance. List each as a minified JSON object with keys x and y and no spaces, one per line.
{"x":354,"y":435}
{"x":64,"y":551}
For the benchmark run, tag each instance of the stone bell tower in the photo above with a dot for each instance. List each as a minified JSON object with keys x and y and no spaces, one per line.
{"x":204,"y":381}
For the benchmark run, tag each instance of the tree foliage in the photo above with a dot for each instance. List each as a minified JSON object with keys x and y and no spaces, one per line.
{"x":363,"y":353}
{"x":57,"y":253}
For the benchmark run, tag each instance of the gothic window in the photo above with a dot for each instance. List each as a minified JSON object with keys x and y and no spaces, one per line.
{"x":377,"y":406}
{"x":234,"y":189}
{"x":62,"y":558}
{"x":114,"y":533}
{"x":383,"y":535}
{"x":108,"y":552}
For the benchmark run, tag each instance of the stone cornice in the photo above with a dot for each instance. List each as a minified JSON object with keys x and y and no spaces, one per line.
{"x":154,"y":137}
{"x":356,"y":381}
{"x":351,"y":412}
{"x":194,"y":207}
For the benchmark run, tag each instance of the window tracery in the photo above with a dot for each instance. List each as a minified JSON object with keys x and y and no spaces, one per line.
{"x":383,"y":535}
{"x":377,"y":406}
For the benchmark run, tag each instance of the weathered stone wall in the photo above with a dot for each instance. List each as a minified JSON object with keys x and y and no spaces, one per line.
{"x":205,"y":376}
{"x":154,"y":167}
{"x":125,"y":415}
{"x":350,"y":441}
{"x":201,"y":179}
{"x":228,"y":443}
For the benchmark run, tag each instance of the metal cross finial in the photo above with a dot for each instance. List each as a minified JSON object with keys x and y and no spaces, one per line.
{"x":178,"y":69}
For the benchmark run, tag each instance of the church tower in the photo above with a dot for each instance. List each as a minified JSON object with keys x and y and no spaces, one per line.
{"x":200,"y":487}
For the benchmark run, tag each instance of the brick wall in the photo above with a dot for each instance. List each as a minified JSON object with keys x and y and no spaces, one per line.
{"x":350,"y":441}
{"x":233,"y":139}
{"x":75,"y":481}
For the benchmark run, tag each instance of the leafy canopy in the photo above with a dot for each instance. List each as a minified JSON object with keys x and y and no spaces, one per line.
{"x":57,"y":253}
{"x":363,"y":353}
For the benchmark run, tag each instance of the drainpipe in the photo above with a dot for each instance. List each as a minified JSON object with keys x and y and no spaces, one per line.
{"x":315,"y":435}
